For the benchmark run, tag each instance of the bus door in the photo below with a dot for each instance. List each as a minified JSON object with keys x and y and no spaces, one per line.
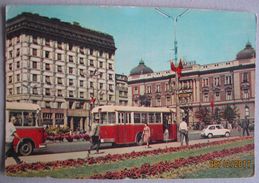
{"x":166,"y":117}
{"x":124,"y":120}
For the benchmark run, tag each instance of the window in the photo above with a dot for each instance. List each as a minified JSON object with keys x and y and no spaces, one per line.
{"x":136,"y":117}
{"x":34,"y":40}
{"x":17,"y":52}
{"x":47,"y":104}
{"x":10,"y":67}
{"x":101,"y":86}
{"x":71,"y":83}
{"x":47,"y":42}
{"x":59,"y":45}
{"x":10,"y":79}
{"x":71,"y":58}
{"x":100,"y":75}
{"x":17,"y":77}
{"x":101,"y":53}
{"x":110,"y":88}
{"x":60,"y":93}
{"x":91,"y":51}
{"x":205,"y":97}
{"x":167,"y":88}
{"x":245,"y":77}
{"x":158,"y":88}
{"x":101,"y":64}
{"x":10,"y":42}
{"x":34,"y":91}
{"x":110,"y":66}
{"x":81,"y":50}
{"x":47,"y":54}
{"x":59,"y":56}
{"x":34,"y":65}
{"x":229,"y":95}
{"x":47,"y":80}
{"x":70,"y":46}
{"x":60,"y":81}
{"x":135,"y":90}
{"x":70,"y":70}
{"x":158,"y":101}
{"x":59,"y":106}
{"x":247,"y":111}
{"x":91,"y":63}
{"x":34,"y":77}
{"x":216,"y":81}
{"x":71,"y":94}
{"x":18,"y":90}
{"x":10,"y":91}
{"x":91,"y":85}
{"x":18,"y":64}
{"x":168,"y":100}
{"x":17,"y":39}
{"x":47,"y":66}
{"x":81,"y":60}
{"x":110,"y":77}
{"x":11,"y":54}
{"x":81,"y":94}
{"x":245,"y":93}
{"x":212,"y":128}
{"x":158,"y":117}
{"x":228,"y":80}
{"x":217,"y":96}
{"x":81,"y":71}
{"x":59,"y":68}
{"x":148,"y":89}
{"x":34,"y":52}
{"x":81,"y":83}
{"x":205,"y":82}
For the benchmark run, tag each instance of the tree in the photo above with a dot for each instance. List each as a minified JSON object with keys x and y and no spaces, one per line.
{"x":144,"y":100}
{"x":230,"y":114}
{"x":203,"y":114}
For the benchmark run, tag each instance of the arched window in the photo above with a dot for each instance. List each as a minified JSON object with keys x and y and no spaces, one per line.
{"x":247,"y":111}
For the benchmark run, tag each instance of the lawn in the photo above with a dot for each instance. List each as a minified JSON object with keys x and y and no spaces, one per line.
{"x":87,"y":171}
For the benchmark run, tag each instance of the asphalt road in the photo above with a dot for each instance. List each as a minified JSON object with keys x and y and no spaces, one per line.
{"x":61,"y":147}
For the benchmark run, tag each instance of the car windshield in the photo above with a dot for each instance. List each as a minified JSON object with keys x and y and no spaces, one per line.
{"x":212,"y":127}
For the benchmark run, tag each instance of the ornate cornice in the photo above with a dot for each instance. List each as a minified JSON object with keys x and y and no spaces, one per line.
{"x":55,"y":29}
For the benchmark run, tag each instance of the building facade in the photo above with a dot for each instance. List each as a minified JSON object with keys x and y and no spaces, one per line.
{"x":121,"y":91}
{"x":227,"y":83}
{"x":59,"y":66}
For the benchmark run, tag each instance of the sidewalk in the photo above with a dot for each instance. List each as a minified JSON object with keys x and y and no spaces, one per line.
{"x":103,"y":152}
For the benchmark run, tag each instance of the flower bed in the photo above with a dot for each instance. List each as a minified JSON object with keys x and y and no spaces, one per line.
{"x":110,"y":158}
{"x":147,"y":170}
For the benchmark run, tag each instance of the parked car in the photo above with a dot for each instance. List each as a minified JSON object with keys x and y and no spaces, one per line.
{"x":215,"y":130}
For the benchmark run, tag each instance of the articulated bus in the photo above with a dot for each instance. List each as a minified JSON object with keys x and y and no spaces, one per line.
{"x":28,"y":126}
{"x":124,"y":124}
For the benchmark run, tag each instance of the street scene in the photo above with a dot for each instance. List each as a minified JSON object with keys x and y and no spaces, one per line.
{"x":129,"y":93}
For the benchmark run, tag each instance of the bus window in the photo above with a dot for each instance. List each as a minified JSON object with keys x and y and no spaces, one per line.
{"x":144,"y":118}
{"x":104,"y":118}
{"x":151,"y":117}
{"x":136,"y":117}
{"x":29,"y":119}
{"x":123,"y":117}
{"x":18,"y":117}
{"x":158,"y":117}
{"x":111,"y":117}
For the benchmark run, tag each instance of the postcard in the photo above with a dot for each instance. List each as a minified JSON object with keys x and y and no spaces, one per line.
{"x":95,"y":92}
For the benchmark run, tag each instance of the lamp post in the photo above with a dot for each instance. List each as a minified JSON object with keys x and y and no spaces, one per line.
{"x":175,"y":19}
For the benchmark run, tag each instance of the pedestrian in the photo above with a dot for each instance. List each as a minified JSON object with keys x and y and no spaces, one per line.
{"x":146,"y":135}
{"x":183,"y":129}
{"x":95,"y":137}
{"x":9,"y":137}
{"x":245,"y":125}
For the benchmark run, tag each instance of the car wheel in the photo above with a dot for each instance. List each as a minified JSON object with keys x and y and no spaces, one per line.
{"x":210,"y":135}
{"x":25,"y":148}
{"x":227,"y":134}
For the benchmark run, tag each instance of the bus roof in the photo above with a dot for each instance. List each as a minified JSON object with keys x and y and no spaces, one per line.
{"x":22,"y":106}
{"x":111,"y":108}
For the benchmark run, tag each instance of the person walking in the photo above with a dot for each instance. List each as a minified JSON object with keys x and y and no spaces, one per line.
{"x":245,"y":125}
{"x":95,"y":137}
{"x":146,"y":135}
{"x":183,"y":129}
{"x":9,"y":137}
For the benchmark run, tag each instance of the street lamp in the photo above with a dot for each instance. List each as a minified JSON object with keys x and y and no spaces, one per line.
{"x":174,"y":19}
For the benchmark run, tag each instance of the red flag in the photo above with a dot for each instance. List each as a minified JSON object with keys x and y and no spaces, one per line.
{"x":92,"y":100}
{"x":173,"y":68}
{"x":179,"y":69}
{"x":180,"y":64}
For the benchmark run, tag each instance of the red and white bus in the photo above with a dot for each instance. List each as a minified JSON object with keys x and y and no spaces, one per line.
{"x":28,"y":126}
{"x":124,"y":124}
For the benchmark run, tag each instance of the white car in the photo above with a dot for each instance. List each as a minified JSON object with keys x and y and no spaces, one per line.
{"x":215,"y":130}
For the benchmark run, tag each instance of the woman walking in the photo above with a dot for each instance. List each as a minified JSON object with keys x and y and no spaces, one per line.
{"x":146,"y":135}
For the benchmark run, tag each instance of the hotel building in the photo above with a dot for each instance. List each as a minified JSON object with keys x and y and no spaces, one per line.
{"x":59,"y":66}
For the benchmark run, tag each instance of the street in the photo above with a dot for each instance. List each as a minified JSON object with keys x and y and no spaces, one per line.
{"x":68,"y":150}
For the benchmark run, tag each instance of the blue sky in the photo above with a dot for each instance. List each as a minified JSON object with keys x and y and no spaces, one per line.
{"x":142,"y":33}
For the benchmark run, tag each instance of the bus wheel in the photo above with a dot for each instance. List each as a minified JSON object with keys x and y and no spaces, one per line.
{"x":25,"y":148}
{"x":139,"y":140}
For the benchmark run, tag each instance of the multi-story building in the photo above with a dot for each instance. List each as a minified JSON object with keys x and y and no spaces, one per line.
{"x":59,"y":66}
{"x":121,"y":91}
{"x":231,"y":82}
